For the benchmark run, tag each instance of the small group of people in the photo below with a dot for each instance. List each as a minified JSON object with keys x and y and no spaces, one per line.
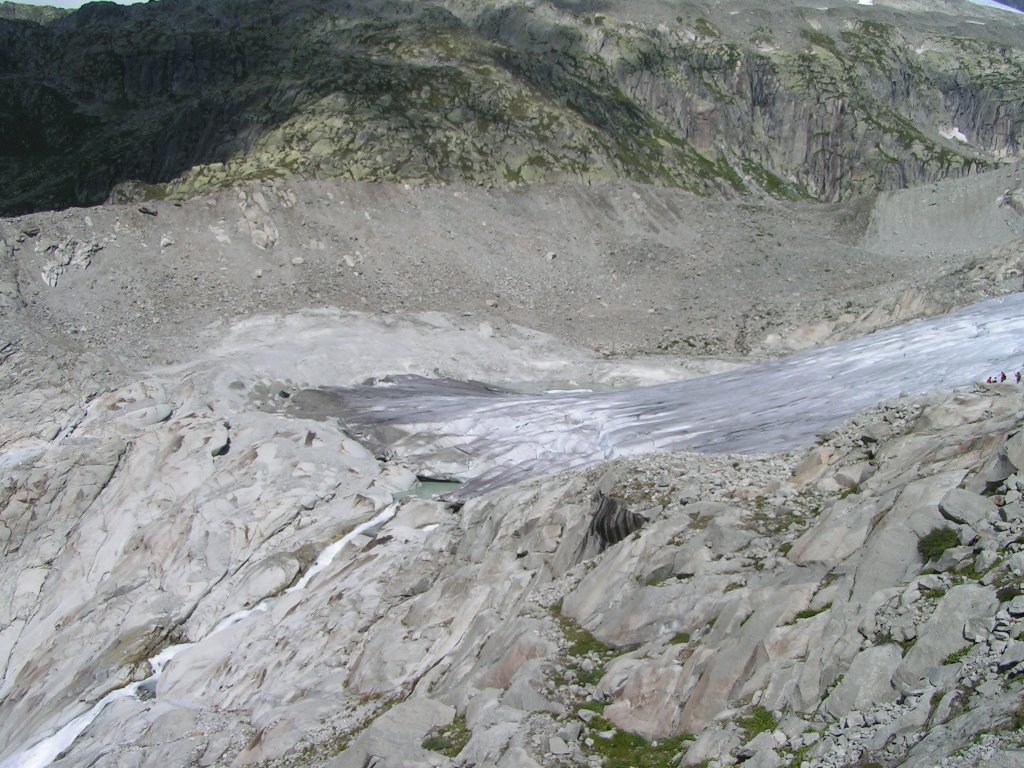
{"x":1002,"y":378}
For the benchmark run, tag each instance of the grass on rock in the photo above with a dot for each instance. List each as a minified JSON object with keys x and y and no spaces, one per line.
{"x":583,"y":647}
{"x":957,"y":656}
{"x":936,"y":542}
{"x":759,"y":721}
{"x":450,"y":740}
{"x":628,"y":750}
{"x":810,"y":612}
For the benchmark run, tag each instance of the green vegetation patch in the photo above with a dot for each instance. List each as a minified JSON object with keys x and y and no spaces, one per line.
{"x":773,"y":184}
{"x":1018,"y":718}
{"x":762,"y":36}
{"x":800,"y":755}
{"x":314,"y":754}
{"x":957,"y":656}
{"x":450,"y":740}
{"x":847,"y":492}
{"x":1007,"y":593}
{"x":583,"y":645}
{"x":319,"y":752}
{"x":581,"y":642}
{"x":821,"y":40}
{"x":809,"y":612}
{"x":628,"y":750}
{"x":936,"y":542}
{"x":875,"y":43}
{"x":705,"y":28}
{"x":759,"y":721}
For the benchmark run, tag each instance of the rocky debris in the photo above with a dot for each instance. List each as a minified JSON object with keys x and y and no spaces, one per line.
{"x":10,"y":292}
{"x":63,"y":255}
{"x":430,"y":253}
{"x":872,"y":713}
{"x":1014,"y":198}
{"x":392,"y":738}
{"x":782,"y":608}
{"x":256,"y":218}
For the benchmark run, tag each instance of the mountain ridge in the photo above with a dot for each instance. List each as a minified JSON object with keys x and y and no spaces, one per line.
{"x":182,"y":97}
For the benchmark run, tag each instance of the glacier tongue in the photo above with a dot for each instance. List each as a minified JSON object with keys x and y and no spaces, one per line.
{"x":493,"y":437}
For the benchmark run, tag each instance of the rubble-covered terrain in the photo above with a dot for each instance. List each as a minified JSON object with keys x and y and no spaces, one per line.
{"x":622,"y":268}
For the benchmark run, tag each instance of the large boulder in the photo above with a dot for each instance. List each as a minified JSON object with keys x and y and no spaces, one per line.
{"x":943,"y":632}
{"x":966,"y":508}
{"x":867,"y":683}
{"x":395,"y":737}
{"x":648,"y":701}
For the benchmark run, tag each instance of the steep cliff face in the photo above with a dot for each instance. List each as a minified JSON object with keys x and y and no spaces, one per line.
{"x":38,"y":13}
{"x":799,"y":102}
{"x":837,"y":108}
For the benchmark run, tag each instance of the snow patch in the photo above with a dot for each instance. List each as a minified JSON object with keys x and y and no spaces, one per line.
{"x":953,"y":134}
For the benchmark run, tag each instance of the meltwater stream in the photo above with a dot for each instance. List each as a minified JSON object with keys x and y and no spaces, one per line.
{"x":49,"y":748}
{"x":493,"y":437}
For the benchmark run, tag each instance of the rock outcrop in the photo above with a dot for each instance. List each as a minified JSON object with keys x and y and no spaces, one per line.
{"x":796,"y":607}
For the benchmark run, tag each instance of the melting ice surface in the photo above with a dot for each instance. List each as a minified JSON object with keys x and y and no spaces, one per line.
{"x":47,"y":750}
{"x":994,"y":4}
{"x":773,"y":406}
